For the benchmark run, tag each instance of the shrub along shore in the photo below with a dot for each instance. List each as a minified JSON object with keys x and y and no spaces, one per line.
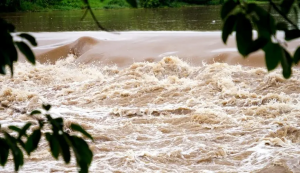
{"x":49,"y":5}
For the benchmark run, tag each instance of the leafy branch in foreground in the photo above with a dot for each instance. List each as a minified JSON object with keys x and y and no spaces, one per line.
{"x":60,"y":142}
{"x":9,"y":44}
{"x":243,"y":17}
{"x":8,"y":51}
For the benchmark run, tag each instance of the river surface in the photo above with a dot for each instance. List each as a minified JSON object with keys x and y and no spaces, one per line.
{"x":204,"y":18}
{"x":158,"y":101}
{"x":178,"y":19}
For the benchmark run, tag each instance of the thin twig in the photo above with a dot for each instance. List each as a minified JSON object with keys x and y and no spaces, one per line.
{"x":282,"y":14}
{"x":85,"y":13}
{"x":95,"y":19}
{"x":88,"y":8}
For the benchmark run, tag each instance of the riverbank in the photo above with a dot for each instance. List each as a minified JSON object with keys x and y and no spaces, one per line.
{"x":64,"y":5}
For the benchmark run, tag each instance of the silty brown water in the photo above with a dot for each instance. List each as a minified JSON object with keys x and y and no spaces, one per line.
{"x":157,"y":102}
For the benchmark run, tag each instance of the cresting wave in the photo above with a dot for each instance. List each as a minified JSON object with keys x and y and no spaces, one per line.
{"x":125,"y":48}
{"x":168,"y":115}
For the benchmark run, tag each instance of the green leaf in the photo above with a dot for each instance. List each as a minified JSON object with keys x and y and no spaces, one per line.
{"x":9,"y":48}
{"x":35,"y":112}
{"x":54,"y":145}
{"x":47,"y":107}
{"x":292,"y":34}
{"x":4,"y":60}
{"x":83,"y":154}
{"x":132,"y":3}
{"x":244,"y":35}
{"x":264,"y":22}
{"x":2,"y":69}
{"x":64,"y":148}
{"x":18,"y":157}
{"x":28,"y":37}
{"x":24,"y":48}
{"x":78,"y":128}
{"x":297,"y":56}
{"x":282,"y":26}
{"x":4,"y":151}
{"x":286,"y":64}
{"x":33,"y":141}
{"x":41,"y":123}
{"x":57,"y":125}
{"x":23,"y":130}
{"x":7,"y":27}
{"x":8,"y":52}
{"x":259,"y":43}
{"x":273,"y":54}
{"x":14,"y":128}
{"x":227,"y":7}
{"x":286,"y":6}
{"x":49,"y":118}
{"x":10,"y":27}
{"x":228,"y":27}
{"x":17,"y":153}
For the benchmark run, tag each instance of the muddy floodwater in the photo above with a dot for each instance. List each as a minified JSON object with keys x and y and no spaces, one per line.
{"x":159,"y":102}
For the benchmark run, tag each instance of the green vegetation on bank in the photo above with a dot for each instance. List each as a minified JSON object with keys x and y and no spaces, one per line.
{"x":48,"y":5}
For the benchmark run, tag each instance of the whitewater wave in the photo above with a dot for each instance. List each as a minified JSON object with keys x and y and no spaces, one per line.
{"x":164,"y":116}
{"x":159,"y":102}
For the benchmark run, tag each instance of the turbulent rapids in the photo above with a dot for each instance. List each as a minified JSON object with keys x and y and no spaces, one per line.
{"x":164,"y":104}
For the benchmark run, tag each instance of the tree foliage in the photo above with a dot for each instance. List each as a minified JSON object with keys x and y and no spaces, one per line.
{"x":242,"y":17}
{"x":8,"y":51}
{"x":16,"y":5}
{"x":25,"y":5}
{"x":59,"y":140}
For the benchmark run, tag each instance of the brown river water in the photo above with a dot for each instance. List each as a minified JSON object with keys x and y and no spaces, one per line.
{"x":159,"y":102}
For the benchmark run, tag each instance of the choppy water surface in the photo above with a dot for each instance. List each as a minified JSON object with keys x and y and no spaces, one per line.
{"x":163,"y":116}
{"x":150,"y":111}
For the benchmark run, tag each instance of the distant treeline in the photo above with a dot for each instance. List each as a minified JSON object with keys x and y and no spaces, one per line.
{"x":40,"y":5}
{"x":20,"y":5}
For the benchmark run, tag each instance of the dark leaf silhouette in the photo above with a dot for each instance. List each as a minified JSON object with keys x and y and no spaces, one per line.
{"x":297,"y":56}
{"x":78,"y":128}
{"x":4,"y":150}
{"x":33,"y":141}
{"x":274,"y":54}
{"x":30,"y":38}
{"x":46,"y":107}
{"x":243,"y":35}
{"x":228,"y":27}
{"x":35,"y":112}
{"x":227,"y":7}
{"x":24,"y":48}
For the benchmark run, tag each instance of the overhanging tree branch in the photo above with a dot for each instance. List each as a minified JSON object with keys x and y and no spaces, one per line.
{"x":283,"y":15}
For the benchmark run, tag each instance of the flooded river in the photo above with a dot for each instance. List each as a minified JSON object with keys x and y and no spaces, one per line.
{"x":159,"y":102}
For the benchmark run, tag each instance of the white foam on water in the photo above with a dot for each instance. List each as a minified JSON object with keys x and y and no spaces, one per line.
{"x":165,"y":116}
